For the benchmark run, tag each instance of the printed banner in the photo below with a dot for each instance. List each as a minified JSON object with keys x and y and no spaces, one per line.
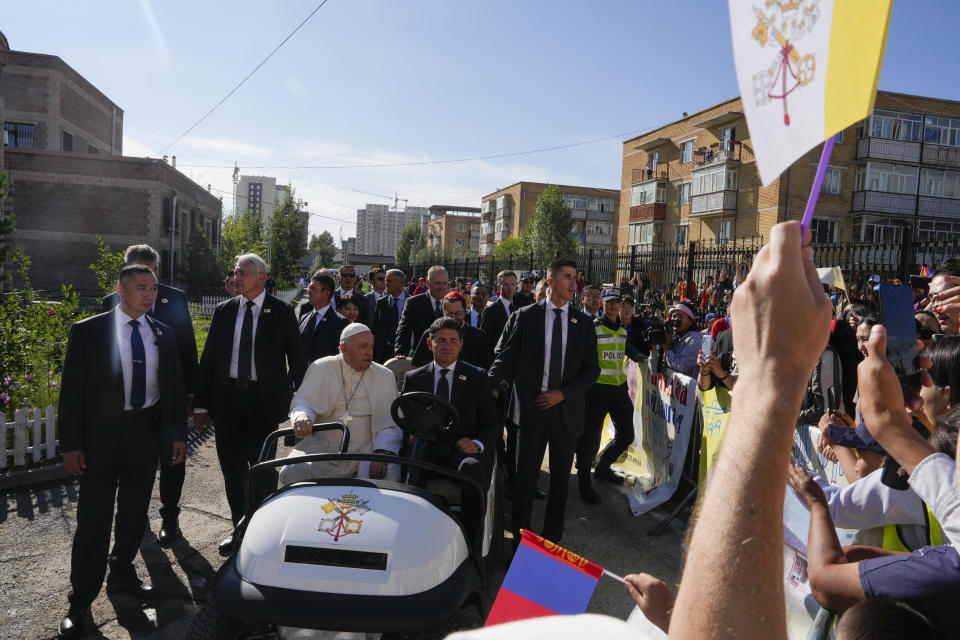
{"x":716,"y":412}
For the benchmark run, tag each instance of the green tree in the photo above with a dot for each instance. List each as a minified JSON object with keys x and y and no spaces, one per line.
{"x":510,"y":247}
{"x":433,"y":255}
{"x":241,"y":233}
{"x":287,"y":235}
{"x":106,"y":268}
{"x":548,"y":233}
{"x":411,"y":241}
{"x":326,"y":249}
{"x":200,"y":272}
{"x":7,"y":227}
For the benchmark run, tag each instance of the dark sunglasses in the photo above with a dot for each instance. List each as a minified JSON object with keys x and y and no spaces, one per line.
{"x":348,"y":275}
{"x":926,"y":334}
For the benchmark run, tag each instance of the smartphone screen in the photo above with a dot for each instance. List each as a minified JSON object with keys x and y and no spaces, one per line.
{"x":896,"y":314}
{"x":706,"y":345}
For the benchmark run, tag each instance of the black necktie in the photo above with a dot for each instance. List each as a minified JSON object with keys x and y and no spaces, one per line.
{"x":396,"y":308}
{"x":437,"y":311}
{"x":311,"y":329}
{"x":443,"y":387}
{"x":138,"y":387}
{"x":555,"y":379}
{"x":246,"y":344}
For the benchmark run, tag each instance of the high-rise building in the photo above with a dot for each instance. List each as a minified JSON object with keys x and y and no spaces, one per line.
{"x":379,"y":227}
{"x":697,"y":179}
{"x":506,"y":213}
{"x":260,"y":195}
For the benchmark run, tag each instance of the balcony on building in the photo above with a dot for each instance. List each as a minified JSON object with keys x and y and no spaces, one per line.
{"x":599,"y":238}
{"x":648,"y":193}
{"x":890,"y":135}
{"x":884,"y":202}
{"x":725,"y":152}
{"x":941,"y":141}
{"x":714,"y":183}
{"x":882,"y":149}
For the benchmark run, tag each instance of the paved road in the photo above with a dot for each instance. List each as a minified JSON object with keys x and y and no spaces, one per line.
{"x":36,"y":530}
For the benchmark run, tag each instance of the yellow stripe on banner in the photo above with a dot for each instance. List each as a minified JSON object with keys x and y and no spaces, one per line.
{"x":858,"y":36}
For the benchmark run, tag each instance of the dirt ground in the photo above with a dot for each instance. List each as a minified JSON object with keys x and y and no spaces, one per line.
{"x":37,"y":524}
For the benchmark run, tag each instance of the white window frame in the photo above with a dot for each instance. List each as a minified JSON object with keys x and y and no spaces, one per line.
{"x":683,"y":232}
{"x":725,"y":231}
{"x":686,"y":151}
{"x":832,"y":228}
{"x":653,"y":159}
{"x":683,"y":193}
{"x":832,"y":181}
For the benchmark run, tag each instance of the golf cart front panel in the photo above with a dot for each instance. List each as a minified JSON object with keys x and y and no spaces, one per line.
{"x":346,"y":539}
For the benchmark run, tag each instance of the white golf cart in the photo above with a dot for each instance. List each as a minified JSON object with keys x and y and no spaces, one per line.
{"x":350,"y":554}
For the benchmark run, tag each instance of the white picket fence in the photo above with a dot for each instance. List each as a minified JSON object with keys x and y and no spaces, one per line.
{"x":204,"y":308}
{"x":33,"y":435}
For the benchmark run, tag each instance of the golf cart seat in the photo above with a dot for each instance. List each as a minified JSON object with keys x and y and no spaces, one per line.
{"x":446,"y":489}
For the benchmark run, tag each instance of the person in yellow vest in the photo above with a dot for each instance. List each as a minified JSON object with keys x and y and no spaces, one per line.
{"x":607,"y":395}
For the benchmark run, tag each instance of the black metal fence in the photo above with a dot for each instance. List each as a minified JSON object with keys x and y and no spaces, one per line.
{"x":665,"y":265}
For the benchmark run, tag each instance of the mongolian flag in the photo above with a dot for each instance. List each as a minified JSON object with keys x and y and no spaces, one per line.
{"x":926,"y":272}
{"x":544,"y":579}
{"x":807,"y":69}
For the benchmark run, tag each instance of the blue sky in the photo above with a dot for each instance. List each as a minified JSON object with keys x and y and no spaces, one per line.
{"x":393,"y":81}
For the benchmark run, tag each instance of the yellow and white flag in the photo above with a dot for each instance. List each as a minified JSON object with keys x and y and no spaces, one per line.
{"x":806,"y":70}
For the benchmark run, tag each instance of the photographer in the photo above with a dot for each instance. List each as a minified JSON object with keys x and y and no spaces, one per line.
{"x":682,"y":342}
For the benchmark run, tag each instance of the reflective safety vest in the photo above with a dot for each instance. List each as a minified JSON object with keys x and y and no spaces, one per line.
{"x":611,"y":349}
{"x":893,"y":540}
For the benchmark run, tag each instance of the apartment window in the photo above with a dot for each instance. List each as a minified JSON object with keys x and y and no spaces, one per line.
{"x":681,"y":234}
{"x":459,"y":243}
{"x":474,"y":228}
{"x":647,"y":193}
{"x":840,"y":137}
{"x":683,"y":194}
{"x":716,"y":178}
{"x":942,"y":131}
{"x":928,"y":230}
{"x":824,"y":231}
{"x":725,"y":231}
{"x":605,"y":204}
{"x":894,"y":125}
{"x":16,"y":134}
{"x":942,"y":184}
{"x":165,"y":215}
{"x":729,"y":135}
{"x":576,"y":202}
{"x":599,"y":228}
{"x":640,"y":233}
{"x":831,"y":181}
{"x":686,"y":151}
{"x":461,"y":226}
{"x":66,"y":142}
{"x":877,"y":230}
{"x":882,"y":176}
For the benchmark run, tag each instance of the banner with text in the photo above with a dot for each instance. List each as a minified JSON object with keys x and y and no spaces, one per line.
{"x":716,"y":412}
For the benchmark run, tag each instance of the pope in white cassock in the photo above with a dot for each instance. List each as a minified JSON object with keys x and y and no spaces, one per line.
{"x":352,"y":389}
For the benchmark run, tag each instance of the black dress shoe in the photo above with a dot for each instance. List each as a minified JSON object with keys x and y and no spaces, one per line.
{"x":588,"y":493}
{"x":225,"y":548}
{"x":72,"y":624}
{"x":169,"y":532}
{"x":607,"y":475}
{"x":127,"y":582}
{"x":541,"y":494}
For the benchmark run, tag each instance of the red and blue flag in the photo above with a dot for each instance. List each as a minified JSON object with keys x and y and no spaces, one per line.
{"x":926,"y":272}
{"x":544,"y":579}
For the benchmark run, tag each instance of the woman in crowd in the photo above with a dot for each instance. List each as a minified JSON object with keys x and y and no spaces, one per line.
{"x":349,"y":308}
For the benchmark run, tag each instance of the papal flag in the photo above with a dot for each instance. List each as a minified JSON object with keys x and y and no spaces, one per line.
{"x":806,"y":69}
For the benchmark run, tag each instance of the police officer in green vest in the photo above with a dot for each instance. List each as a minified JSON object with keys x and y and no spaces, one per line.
{"x":607,"y":395}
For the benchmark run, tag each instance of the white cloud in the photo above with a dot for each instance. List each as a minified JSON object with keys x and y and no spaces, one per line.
{"x":155,"y":29}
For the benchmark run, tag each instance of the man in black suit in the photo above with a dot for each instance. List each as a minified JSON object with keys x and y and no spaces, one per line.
{"x":421,"y":310}
{"x":170,"y":307}
{"x":479,"y":297}
{"x":243,"y":382}
{"x":550,"y":354}
{"x":320,"y":328}
{"x":467,"y":388}
{"x":349,"y":284}
{"x":121,"y":406}
{"x":476,"y":347}
{"x":495,"y":316}
{"x":386,"y":317}
{"x":377,"y":278}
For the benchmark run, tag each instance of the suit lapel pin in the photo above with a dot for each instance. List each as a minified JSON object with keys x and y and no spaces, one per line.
{"x":462,"y":377}
{"x":163,"y":300}
{"x":265,"y":310}
{"x":573,"y":321}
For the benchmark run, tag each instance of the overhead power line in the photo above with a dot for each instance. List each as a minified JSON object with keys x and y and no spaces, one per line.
{"x":429,"y":162}
{"x":247,"y":77}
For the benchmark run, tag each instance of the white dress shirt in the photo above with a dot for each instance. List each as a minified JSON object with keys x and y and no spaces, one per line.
{"x":152,"y":352}
{"x":474,"y":317}
{"x":436,"y":380}
{"x":507,"y":305}
{"x":238,"y":329}
{"x":548,"y":338}
{"x":322,"y":311}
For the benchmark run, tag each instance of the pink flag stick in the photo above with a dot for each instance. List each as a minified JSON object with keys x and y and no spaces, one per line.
{"x":817,"y":184}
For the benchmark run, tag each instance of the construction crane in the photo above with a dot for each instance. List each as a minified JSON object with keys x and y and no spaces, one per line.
{"x":396,"y":199}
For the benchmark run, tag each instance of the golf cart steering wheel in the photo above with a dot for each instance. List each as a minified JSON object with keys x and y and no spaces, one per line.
{"x":425,"y":414}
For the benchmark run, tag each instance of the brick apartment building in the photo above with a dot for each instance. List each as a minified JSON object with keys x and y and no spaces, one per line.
{"x":456,"y":229}
{"x":505,"y":213}
{"x":697,"y":179}
{"x":69,"y":182}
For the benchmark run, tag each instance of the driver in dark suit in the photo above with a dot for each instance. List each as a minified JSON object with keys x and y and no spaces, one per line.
{"x":468,"y":389}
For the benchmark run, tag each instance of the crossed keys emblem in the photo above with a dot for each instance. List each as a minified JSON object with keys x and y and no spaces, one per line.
{"x":343,"y":515}
{"x":780,"y":24}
